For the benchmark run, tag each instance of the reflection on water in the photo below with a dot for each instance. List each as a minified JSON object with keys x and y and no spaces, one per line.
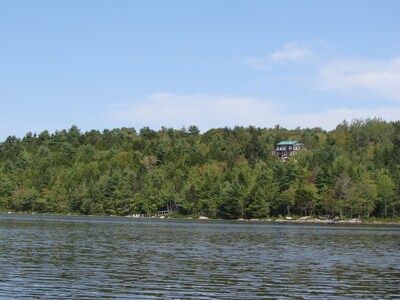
{"x":92,"y":257}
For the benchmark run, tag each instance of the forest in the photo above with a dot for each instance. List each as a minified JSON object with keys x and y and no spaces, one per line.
{"x":352,"y":171}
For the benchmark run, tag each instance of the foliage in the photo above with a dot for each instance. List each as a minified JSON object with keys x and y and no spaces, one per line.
{"x":352,"y":171}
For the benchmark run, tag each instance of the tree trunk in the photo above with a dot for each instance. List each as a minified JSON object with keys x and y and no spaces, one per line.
{"x":385,"y":208}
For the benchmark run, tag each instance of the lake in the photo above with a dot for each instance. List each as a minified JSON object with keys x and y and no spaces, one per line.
{"x":59,"y":257}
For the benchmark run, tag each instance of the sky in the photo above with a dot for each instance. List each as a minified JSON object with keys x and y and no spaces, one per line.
{"x":109,"y":64}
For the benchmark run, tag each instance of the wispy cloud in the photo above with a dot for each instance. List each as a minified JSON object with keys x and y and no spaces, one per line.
{"x":382,"y":78}
{"x":352,"y":76}
{"x":204,"y":110}
{"x":213,"y":111}
{"x":290,"y":52}
{"x":328,"y":119}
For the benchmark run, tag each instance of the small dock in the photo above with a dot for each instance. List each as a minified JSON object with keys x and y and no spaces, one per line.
{"x":140,"y":216}
{"x":158,"y":214}
{"x":163,"y":213}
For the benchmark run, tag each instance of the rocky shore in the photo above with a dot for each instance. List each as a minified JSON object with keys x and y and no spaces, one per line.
{"x":309,"y":219}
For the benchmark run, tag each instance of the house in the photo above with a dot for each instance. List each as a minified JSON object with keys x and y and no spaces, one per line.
{"x":285,"y":149}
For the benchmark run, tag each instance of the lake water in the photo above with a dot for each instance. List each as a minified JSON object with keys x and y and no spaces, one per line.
{"x":102,"y":257}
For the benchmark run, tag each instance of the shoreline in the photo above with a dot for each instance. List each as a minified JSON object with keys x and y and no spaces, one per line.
{"x":287,"y":220}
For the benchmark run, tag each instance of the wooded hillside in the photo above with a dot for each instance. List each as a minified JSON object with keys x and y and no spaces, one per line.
{"x":352,"y":171}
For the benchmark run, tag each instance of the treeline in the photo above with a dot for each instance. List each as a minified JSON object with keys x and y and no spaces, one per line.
{"x":352,"y":171}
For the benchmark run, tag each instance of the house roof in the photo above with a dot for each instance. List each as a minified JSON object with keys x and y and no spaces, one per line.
{"x":287,"y":143}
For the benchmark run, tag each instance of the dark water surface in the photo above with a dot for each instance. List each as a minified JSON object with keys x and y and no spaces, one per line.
{"x":102,"y":257}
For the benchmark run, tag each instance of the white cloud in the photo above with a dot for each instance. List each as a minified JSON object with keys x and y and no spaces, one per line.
{"x":203,"y":110}
{"x":351,"y":76}
{"x":382,"y":78}
{"x":329,"y":119}
{"x":213,"y":111}
{"x":290,"y":52}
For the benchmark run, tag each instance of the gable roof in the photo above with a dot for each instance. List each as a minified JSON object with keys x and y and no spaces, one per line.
{"x":287,"y":143}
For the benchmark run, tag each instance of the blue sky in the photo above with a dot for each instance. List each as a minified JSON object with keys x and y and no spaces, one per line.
{"x":109,"y":64}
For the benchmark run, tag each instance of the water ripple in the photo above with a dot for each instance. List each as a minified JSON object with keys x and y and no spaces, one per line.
{"x":104,"y":258}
